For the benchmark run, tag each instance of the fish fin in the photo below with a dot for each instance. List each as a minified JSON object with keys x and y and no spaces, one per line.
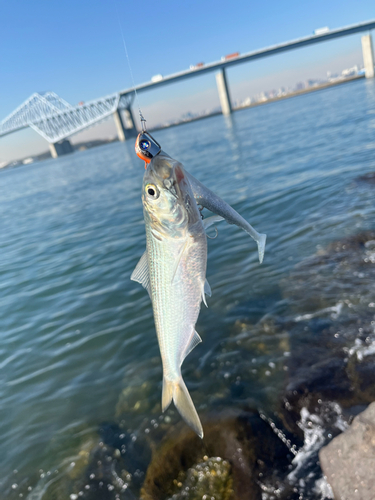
{"x":203,"y":295}
{"x":167,"y":394}
{"x":185,"y":406}
{"x":211,"y":220}
{"x":141,"y":273}
{"x":194,"y":341}
{"x":178,"y":260}
{"x":206,"y":290}
{"x":261,"y":242}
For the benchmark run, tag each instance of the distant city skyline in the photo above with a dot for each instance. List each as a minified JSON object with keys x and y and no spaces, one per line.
{"x":77,"y":51}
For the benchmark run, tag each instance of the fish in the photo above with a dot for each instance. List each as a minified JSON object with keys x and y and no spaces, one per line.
{"x":173,"y":267}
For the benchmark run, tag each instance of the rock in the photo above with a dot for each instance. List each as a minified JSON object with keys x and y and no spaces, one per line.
{"x":369,"y":178}
{"x":209,"y":479}
{"x":348,"y":461}
{"x":333,"y":277}
{"x":135,"y":399}
{"x":243,"y":448}
{"x":134,"y":450}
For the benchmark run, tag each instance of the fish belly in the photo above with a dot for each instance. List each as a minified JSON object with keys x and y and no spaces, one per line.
{"x":177,"y":274}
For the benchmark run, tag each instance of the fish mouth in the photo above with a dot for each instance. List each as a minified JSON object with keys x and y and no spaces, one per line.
{"x":162,"y":166}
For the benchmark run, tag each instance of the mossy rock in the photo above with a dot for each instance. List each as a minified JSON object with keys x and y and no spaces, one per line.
{"x":241,"y":444}
{"x":209,"y":479}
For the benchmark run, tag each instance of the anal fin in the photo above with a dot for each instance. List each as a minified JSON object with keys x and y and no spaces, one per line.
{"x":194,"y":341}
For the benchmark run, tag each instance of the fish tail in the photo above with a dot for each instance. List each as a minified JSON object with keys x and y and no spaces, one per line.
{"x":167,"y":394}
{"x":177,"y":391}
{"x":261,"y":241}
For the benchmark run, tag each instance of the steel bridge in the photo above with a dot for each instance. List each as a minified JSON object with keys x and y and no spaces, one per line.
{"x":56,"y":120}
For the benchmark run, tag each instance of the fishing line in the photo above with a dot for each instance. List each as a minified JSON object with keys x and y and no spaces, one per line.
{"x":143,"y":120}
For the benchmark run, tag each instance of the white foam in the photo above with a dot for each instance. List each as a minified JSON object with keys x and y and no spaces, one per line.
{"x":314,"y":438}
{"x":362,"y":350}
{"x":334,"y":310}
{"x":323,"y":487}
{"x":312,"y":427}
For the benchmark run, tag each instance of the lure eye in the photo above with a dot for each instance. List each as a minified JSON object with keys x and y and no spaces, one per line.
{"x":152,"y":191}
{"x":145,"y":145}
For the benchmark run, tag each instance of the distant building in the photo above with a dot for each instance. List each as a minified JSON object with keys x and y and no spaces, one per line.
{"x":350,"y":71}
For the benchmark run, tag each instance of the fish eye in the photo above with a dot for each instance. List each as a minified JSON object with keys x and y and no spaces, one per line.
{"x":152,"y":191}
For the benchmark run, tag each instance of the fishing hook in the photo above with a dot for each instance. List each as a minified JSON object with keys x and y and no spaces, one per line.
{"x":213,"y":237}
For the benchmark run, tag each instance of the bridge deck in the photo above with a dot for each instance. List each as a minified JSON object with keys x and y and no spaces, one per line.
{"x":257,"y":54}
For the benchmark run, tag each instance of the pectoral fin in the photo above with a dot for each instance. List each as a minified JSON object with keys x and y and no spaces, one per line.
{"x":178,"y":259}
{"x":141,"y":273}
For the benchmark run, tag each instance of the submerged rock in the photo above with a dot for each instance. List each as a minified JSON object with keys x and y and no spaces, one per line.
{"x":108,"y":464}
{"x":349,"y":460}
{"x":332,"y":327}
{"x":369,"y":178}
{"x":242,"y":448}
{"x":208,"y":479}
{"x":341,"y":275}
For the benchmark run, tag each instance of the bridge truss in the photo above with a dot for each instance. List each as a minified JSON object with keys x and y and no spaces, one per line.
{"x":56,"y":120}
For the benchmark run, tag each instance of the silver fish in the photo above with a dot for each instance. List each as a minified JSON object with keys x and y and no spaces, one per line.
{"x":173,"y":270}
{"x":173,"y":267}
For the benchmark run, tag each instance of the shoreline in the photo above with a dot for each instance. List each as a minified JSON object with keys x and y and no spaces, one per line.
{"x":267,"y":101}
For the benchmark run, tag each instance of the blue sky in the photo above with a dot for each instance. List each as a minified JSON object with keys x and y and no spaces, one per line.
{"x":75,"y":48}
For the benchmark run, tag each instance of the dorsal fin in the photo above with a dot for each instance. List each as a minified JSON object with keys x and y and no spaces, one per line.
{"x":141,"y":273}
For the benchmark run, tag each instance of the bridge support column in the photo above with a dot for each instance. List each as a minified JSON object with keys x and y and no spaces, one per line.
{"x":60,"y":148}
{"x":368,"y":56}
{"x":119,"y":125}
{"x":222,"y":87}
{"x":130,"y":130}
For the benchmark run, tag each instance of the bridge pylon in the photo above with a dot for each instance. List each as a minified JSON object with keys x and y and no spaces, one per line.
{"x":60,"y":148}
{"x":124,"y":121}
{"x":222,"y":87}
{"x":368,"y":56}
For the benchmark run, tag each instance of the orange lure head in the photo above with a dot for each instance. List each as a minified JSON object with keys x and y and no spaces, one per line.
{"x":146,"y":147}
